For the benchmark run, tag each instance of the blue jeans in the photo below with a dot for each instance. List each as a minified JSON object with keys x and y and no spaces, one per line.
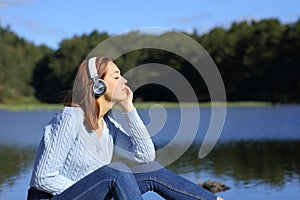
{"x":119,"y":182}
{"x":153,"y":177}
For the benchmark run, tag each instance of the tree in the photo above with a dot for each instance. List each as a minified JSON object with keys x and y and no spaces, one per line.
{"x":17,"y":60}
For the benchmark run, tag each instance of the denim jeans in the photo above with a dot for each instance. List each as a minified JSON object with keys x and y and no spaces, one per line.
{"x":120,"y":182}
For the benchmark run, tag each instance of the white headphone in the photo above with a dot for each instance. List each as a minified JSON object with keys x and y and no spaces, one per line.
{"x":99,"y":86}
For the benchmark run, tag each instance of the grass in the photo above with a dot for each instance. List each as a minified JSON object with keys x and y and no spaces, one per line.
{"x":28,"y":104}
{"x":203,"y":104}
{"x":35,"y":105}
{"x":32,"y":106}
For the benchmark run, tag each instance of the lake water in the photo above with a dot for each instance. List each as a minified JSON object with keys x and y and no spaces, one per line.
{"x":257,"y":155}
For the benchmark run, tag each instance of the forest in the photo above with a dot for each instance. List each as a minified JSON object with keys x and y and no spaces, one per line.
{"x":257,"y":60}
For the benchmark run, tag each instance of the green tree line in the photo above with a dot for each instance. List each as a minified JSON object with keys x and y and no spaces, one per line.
{"x":18,"y":59}
{"x":258,"y":61}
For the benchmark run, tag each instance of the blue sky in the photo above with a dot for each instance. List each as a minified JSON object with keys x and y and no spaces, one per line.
{"x":50,"y":21}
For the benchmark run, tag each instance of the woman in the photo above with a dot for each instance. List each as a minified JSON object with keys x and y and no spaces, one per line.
{"x":73,"y":160}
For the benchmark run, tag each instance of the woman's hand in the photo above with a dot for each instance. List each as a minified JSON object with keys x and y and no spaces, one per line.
{"x":127,"y":104}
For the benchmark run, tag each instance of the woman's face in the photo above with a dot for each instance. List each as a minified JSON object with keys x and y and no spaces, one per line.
{"x":116,"y":84}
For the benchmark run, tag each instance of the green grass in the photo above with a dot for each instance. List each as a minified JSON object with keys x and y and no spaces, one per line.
{"x":32,"y":106}
{"x":203,"y":104}
{"x":35,"y":105}
{"x":28,"y":104}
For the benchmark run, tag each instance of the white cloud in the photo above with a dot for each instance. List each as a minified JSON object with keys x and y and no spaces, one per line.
{"x":8,"y":3}
{"x":190,"y":19}
{"x":32,"y":26}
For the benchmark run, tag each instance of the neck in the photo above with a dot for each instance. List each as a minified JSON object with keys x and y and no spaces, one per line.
{"x":104,"y":105}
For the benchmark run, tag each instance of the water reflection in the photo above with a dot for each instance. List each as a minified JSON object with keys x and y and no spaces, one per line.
{"x":14,"y":161}
{"x":257,"y":154}
{"x":241,"y":165}
{"x":267,"y":162}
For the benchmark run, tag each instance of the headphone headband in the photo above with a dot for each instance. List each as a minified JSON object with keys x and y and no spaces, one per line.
{"x":99,"y":86}
{"x":92,"y":68}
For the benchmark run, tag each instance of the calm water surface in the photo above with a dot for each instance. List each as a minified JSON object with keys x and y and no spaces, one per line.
{"x":257,"y":154}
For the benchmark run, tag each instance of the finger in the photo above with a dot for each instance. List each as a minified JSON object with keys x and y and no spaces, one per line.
{"x":128,"y":90}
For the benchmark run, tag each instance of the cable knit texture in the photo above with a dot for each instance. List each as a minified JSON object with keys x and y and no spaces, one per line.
{"x":68,"y":151}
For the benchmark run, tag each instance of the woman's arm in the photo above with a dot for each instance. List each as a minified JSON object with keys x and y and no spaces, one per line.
{"x":52,"y":152}
{"x":137,"y":144}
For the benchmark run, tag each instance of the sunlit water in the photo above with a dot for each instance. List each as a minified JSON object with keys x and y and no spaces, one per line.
{"x":257,"y":155}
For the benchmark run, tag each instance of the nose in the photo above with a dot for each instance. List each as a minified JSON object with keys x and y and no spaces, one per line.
{"x":125,"y":80}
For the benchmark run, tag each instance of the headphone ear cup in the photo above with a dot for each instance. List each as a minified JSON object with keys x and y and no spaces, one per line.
{"x":99,"y":87}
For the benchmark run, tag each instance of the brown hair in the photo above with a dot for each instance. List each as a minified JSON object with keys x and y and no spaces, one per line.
{"x":82,"y":94}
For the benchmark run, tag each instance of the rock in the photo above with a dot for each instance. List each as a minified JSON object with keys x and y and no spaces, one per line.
{"x":214,"y":186}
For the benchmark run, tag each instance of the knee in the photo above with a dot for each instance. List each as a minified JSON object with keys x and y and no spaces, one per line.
{"x":122,"y":174}
{"x":119,"y":166}
{"x":147,"y":167}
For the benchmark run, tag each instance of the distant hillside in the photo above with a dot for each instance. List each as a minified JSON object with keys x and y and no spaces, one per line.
{"x":258,"y":61}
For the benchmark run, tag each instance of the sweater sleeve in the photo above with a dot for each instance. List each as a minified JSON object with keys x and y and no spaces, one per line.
{"x":136,"y":145}
{"x":52,"y":152}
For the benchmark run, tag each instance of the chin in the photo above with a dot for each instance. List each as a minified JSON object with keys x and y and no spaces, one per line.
{"x":118,"y":100}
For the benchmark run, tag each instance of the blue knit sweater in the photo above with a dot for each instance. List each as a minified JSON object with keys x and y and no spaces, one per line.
{"x":68,"y":151}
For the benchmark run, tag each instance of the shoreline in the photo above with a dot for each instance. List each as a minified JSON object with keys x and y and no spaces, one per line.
{"x":27,"y":106}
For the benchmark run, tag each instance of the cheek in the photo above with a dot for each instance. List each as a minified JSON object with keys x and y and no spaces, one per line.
{"x":115,"y":84}
{"x":112,"y":88}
